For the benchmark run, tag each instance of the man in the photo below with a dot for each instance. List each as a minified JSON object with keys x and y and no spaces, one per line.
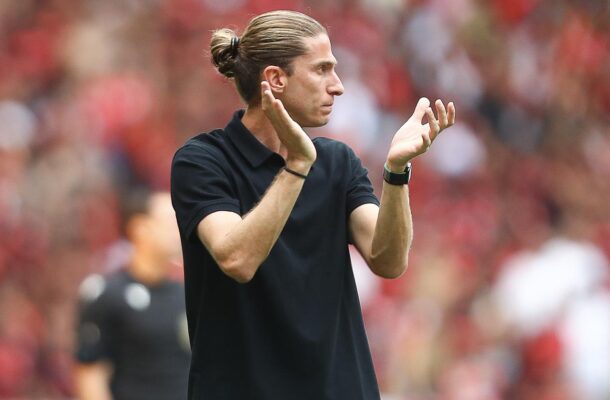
{"x":132,"y":338}
{"x":266,"y":216}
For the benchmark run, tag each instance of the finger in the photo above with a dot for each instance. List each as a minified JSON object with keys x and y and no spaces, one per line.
{"x":265,"y":86}
{"x":266,"y":91}
{"x":420,"y":108}
{"x":442,"y":114}
{"x":273,"y":108}
{"x":276,"y":113}
{"x":427,"y":141}
{"x":266,"y":95}
{"x":451,"y":113}
{"x":281,"y":110}
{"x":433,"y":123}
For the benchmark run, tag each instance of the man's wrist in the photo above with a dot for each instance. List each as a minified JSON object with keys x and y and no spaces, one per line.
{"x":302,"y":167}
{"x":295,"y":173}
{"x":397,"y":178}
{"x":396,"y":167}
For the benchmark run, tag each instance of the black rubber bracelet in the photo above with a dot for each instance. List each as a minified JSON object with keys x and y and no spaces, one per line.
{"x":295,"y":173}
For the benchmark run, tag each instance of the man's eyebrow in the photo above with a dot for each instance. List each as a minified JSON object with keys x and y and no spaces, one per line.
{"x":325,"y":63}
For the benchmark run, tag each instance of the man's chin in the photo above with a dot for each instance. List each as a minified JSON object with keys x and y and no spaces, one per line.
{"x":316,"y":123}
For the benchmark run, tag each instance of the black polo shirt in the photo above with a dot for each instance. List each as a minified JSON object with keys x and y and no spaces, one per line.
{"x":294,"y":331}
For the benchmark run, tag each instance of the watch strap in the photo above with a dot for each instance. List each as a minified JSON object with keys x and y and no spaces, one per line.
{"x":394,"y":178}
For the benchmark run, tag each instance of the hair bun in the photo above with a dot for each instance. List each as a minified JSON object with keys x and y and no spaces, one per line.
{"x":225,"y":50}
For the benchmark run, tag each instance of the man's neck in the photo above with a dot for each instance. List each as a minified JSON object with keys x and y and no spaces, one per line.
{"x":259,"y":125}
{"x":147,"y":269}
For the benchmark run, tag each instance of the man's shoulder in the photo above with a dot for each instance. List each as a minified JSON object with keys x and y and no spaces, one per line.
{"x":205,"y":141}
{"x":99,"y":287}
{"x":208,"y":146}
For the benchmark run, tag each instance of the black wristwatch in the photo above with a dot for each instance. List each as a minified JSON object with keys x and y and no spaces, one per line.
{"x":397,"y":179}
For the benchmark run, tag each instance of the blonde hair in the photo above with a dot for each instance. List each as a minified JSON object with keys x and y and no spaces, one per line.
{"x":273,"y":38}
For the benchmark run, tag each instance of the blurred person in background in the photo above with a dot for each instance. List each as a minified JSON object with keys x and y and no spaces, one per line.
{"x":266,"y":216}
{"x":132,"y":335}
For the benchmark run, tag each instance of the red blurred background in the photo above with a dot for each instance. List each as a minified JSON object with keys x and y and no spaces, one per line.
{"x":507,"y":294}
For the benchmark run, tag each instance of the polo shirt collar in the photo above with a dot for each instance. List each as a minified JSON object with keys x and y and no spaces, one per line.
{"x":248,"y":145}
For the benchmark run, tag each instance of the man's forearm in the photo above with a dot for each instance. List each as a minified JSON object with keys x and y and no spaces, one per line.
{"x":393,"y":232}
{"x":248,"y":243}
{"x":394,"y":229}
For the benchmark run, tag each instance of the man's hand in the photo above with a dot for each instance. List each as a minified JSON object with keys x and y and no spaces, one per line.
{"x":414,"y":138}
{"x":301,"y":151}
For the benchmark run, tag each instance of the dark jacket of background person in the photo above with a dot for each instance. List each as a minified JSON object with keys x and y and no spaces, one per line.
{"x":132,"y":335}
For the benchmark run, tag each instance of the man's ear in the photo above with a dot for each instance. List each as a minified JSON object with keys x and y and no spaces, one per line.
{"x":276,"y":77}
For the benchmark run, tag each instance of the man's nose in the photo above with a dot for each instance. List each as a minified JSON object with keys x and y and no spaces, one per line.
{"x":336,"y":87}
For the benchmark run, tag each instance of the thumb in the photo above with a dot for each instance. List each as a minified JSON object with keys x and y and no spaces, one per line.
{"x":420,"y":108}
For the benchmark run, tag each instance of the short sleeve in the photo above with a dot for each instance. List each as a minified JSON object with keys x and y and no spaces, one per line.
{"x":200,"y":186}
{"x":94,"y":324}
{"x":359,"y":189}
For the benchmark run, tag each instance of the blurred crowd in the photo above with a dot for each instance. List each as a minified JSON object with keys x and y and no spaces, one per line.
{"x":508,"y":290}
